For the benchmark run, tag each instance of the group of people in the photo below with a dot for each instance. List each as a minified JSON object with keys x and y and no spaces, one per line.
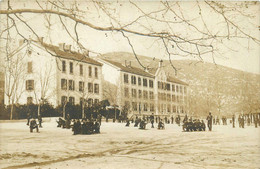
{"x":142,"y":122}
{"x":247,"y":118}
{"x":86,"y":126}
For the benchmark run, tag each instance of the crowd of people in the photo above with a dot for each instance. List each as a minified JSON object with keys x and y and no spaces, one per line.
{"x":91,"y":125}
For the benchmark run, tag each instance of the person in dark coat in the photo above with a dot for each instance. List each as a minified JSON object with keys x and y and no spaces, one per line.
{"x":233,"y":120}
{"x":127,"y":122}
{"x":40,"y":121}
{"x":160,"y":125}
{"x":209,"y":119}
{"x":28,"y":118}
{"x":152,"y":120}
{"x":33,"y":125}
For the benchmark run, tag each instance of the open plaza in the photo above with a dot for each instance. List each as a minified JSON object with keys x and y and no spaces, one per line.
{"x":118,"y":146}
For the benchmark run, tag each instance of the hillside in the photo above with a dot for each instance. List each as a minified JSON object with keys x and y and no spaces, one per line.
{"x":215,"y":88}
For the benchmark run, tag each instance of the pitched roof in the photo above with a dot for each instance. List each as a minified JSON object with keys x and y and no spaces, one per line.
{"x":130,"y":69}
{"x":72,"y":55}
{"x":175,"y":80}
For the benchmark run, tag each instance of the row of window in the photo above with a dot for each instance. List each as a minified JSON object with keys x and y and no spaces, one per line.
{"x":169,"y":97}
{"x":141,"y":106}
{"x":71,"y":86}
{"x":88,"y":102}
{"x":139,"y":81}
{"x":171,"y":109}
{"x":141,"y":94}
{"x":81,"y":69}
{"x":168,"y":86}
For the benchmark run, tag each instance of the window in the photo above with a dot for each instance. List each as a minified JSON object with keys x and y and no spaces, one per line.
{"x":139,"y":94}
{"x":126,"y":92}
{"x":164,"y":96}
{"x":177,"y":99}
{"x":72,"y":100}
{"x":71,"y":67}
{"x":96,"y":72}
{"x":180,"y":89}
{"x":151,"y":96}
{"x":63,"y":100}
{"x":134,"y":93}
{"x":140,"y":107}
{"x":71,"y":85}
{"x":139,"y":81}
{"x":96,"y":101}
{"x":29,"y":67}
{"x":177,"y":88}
{"x":151,"y":107}
{"x":81,"y":86}
{"x":90,"y":87}
{"x":90,"y":102}
{"x":173,"y":88}
{"x":134,"y":106}
{"x":133,"y":80}
{"x":168,"y":108}
{"x":96,"y":88}
{"x":185,"y":90}
{"x":145,"y":95}
{"x":150,"y":83}
{"x":89,"y":71}
{"x":29,"y":84}
{"x":145,"y":82}
{"x":145,"y":106}
{"x":173,"y":98}
{"x":174,"y":109}
{"x":168,"y":86}
{"x":29,"y":100}
{"x":64,"y":84}
{"x":169,"y":97}
{"x":126,"y":78}
{"x":81,"y":69}
{"x":127,"y":105}
{"x":64,"y":66}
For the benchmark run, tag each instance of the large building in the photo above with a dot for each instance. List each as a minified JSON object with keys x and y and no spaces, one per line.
{"x":143,"y":92}
{"x":53,"y":73}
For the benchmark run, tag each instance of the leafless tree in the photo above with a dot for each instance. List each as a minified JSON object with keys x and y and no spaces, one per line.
{"x":14,"y":78}
{"x":170,"y":26}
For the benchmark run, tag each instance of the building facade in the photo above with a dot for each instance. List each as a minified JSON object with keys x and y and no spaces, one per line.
{"x":143,"y":92}
{"x":55,"y":74}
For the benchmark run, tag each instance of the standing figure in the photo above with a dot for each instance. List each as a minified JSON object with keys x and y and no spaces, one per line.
{"x":40,"y":121}
{"x":152,"y":120}
{"x":33,"y":125}
{"x":209,"y":119}
{"x":233,"y":120}
{"x":28,"y":118}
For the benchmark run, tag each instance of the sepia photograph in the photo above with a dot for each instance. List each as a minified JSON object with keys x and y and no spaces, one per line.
{"x":112,"y":84}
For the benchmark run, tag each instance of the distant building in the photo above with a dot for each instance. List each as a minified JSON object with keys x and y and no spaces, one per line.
{"x":56,"y":74}
{"x":143,"y":92}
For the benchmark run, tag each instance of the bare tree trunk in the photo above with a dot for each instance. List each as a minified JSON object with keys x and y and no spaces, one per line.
{"x":11,"y":112}
{"x":39,"y":109}
{"x":83,"y":111}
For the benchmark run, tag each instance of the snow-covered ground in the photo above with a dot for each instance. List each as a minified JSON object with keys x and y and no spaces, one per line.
{"x":128,"y":147}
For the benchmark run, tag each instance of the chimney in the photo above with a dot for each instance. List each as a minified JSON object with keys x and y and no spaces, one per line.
{"x":67,"y":47}
{"x":127,"y":63}
{"x":61,"y":46}
{"x":21,"y":42}
{"x":41,"y":39}
{"x":160,"y":63}
{"x":146,"y":69}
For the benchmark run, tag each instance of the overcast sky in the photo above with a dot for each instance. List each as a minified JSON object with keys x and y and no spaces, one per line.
{"x":236,"y":55}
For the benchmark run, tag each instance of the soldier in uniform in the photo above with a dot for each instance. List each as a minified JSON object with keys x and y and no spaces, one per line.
{"x":28,"y":118}
{"x":152,"y":120}
{"x":209,"y":119}
{"x":233,"y":120}
{"x":40,"y":121}
{"x":172,"y":120}
{"x":33,"y":125}
{"x":127,"y":122}
{"x":160,"y":125}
